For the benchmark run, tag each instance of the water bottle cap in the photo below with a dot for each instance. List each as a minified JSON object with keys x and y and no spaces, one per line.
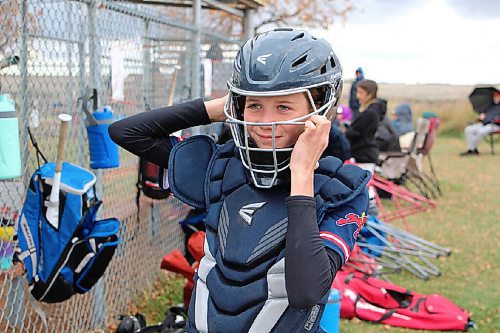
{"x":106,"y":113}
{"x":6,"y":103}
{"x":334,"y":295}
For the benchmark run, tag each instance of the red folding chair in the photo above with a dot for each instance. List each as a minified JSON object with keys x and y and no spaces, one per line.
{"x":406,"y":203}
{"x":407,"y":168}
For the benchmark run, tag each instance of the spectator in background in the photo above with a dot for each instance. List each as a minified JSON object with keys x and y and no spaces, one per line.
{"x":475,"y":133}
{"x":361,"y":133}
{"x":344,"y":114}
{"x":353,"y":100}
{"x":403,"y":122}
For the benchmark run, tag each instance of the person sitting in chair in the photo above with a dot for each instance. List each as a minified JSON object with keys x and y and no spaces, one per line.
{"x":475,"y":133}
{"x":361,"y":132}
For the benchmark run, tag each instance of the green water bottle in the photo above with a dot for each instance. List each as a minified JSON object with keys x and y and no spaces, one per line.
{"x":10,"y":158}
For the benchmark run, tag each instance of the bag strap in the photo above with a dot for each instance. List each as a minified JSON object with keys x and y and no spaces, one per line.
{"x":138,"y":184}
{"x":38,"y":151}
{"x":417,"y":304}
{"x":139,"y":188}
{"x":386,"y":315}
{"x":139,"y":174}
{"x":87,"y":96}
{"x":137,"y":203}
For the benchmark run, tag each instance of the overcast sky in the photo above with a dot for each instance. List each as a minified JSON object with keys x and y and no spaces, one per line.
{"x":421,"y":41}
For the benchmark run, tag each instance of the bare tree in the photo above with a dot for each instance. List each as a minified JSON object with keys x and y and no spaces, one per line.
{"x":9,"y":11}
{"x":301,"y":13}
{"x":312,"y":14}
{"x":11,"y":26}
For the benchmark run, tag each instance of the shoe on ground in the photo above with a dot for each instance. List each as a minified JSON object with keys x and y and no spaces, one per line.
{"x":470,"y":153}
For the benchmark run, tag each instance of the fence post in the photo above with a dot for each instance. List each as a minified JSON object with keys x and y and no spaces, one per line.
{"x":195,"y":58}
{"x":248,"y":24}
{"x":82,"y":159}
{"x":23,"y":68}
{"x":146,"y":64}
{"x":195,"y":55}
{"x":99,"y":305}
{"x":15,"y":294}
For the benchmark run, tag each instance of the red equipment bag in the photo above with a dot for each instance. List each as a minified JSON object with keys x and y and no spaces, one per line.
{"x":176,"y":262}
{"x":382,"y":302}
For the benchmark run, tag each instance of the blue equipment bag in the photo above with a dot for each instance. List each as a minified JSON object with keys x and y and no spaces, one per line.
{"x":71,"y":257}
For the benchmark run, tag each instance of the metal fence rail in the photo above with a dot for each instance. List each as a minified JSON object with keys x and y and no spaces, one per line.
{"x":55,"y":49}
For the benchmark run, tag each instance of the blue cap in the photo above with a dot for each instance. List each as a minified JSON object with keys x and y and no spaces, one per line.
{"x":6,"y":103}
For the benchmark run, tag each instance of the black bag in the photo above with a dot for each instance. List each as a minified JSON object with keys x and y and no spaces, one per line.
{"x":148,"y":181}
{"x":174,"y":322}
{"x":387,"y":137}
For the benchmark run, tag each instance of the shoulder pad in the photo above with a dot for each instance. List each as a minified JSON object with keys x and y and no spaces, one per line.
{"x":187,"y":169}
{"x":336,"y":183}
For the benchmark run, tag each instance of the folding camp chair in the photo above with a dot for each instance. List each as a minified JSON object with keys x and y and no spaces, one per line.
{"x":492,"y":139}
{"x":406,"y":167}
{"x":393,"y":249}
{"x":405,"y":202}
{"x":429,"y":182}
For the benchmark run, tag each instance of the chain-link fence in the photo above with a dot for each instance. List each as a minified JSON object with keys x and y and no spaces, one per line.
{"x":51,"y":52}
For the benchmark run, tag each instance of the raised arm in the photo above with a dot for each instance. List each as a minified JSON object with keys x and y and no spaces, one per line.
{"x":147,"y":134}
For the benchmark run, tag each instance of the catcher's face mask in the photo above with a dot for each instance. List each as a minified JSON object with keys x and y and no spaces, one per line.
{"x":264,"y":133}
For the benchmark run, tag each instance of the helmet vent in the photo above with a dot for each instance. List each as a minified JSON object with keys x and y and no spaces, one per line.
{"x":332,"y":62}
{"x":237,"y":62}
{"x":299,"y":61}
{"x":323,"y":69}
{"x":299,"y":36}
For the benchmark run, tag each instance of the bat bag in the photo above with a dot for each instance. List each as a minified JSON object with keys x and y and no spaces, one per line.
{"x":70,"y":255}
{"x":379,"y":301}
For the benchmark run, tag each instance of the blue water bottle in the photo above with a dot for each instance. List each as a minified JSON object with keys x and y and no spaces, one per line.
{"x":10,"y":157}
{"x":331,"y":316}
{"x":103,"y":151}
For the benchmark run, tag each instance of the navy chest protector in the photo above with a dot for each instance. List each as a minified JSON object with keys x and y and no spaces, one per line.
{"x":245,"y":237}
{"x":201,"y":173}
{"x":69,"y":258}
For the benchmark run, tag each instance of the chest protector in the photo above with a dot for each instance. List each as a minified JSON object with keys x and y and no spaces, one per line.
{"x":240,"y":284}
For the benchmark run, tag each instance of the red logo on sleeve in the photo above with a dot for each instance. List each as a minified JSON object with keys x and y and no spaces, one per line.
{"x":353,"y":218}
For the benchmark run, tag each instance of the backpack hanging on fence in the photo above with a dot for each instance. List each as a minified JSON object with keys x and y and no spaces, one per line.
{"x":147,"y":181}
{"x":70,"y":258}
{"x":382,"y":302}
